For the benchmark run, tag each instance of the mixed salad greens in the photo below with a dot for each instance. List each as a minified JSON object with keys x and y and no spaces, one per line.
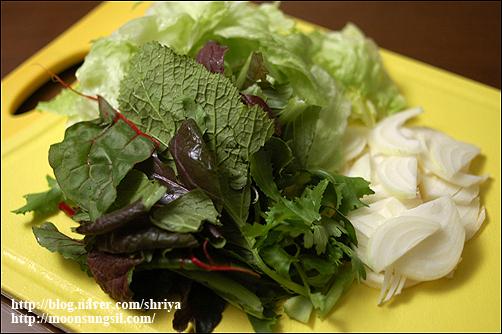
{"x":206,"y":161}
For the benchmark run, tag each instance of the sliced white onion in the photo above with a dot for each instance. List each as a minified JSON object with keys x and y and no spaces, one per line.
{"x":367,"y":219}
{"x":398,"y":175}
{"x":396,"y":237}
{"x":361,"y":168}
{"x":387,"y":137}
{"x":466,"y":195}
{"x":354,"y":141}
{"x":375,"y":280}
{"x":443,"y":155}
{"x":437,"y":255}
{"x":471,"y":217}
{"x":433,"y":187}
{"x":466,"y":180}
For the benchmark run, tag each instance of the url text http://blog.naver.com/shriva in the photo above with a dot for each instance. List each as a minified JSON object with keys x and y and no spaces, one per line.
{"x":75,"y":308}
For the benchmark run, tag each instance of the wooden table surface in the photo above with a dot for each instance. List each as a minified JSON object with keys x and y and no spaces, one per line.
{"x":461,"y":37}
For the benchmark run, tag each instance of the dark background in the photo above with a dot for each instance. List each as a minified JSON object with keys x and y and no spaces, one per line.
{"x":461,"y":37}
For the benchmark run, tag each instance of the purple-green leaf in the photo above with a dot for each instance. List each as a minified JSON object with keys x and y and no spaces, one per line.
{"x":212,"y":57}
{"x":113,"y":273}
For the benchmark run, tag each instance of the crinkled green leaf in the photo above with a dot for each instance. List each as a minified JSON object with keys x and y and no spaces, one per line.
{"x":354,"y":61}
{"x":150,"y":97}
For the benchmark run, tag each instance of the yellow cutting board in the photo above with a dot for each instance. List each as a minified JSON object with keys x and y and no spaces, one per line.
{"x":467,"y":110}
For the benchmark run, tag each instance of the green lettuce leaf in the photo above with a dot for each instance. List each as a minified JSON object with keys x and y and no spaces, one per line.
{"x":353,"y":60}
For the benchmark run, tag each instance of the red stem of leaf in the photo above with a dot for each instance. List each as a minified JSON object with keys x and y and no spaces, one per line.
{"x":94,"y":98}
{"x":208,"y":267}
{"x":136,"y":129}
{"x":56,"y":77}
{"x":206,"y":252}
{"x":68,"y":210}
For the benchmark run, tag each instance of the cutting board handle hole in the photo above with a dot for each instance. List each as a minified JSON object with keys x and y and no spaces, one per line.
{"x":48,"y":90}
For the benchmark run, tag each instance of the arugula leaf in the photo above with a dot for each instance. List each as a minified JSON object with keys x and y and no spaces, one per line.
{"x":113,"y":273}
{"x":48,"y":236}
{"x":43,"y":203}
{"x":150,"y":96}
{"x":269,"y":162}
{"x":92,"y":160}
{"x":186,"y":213}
